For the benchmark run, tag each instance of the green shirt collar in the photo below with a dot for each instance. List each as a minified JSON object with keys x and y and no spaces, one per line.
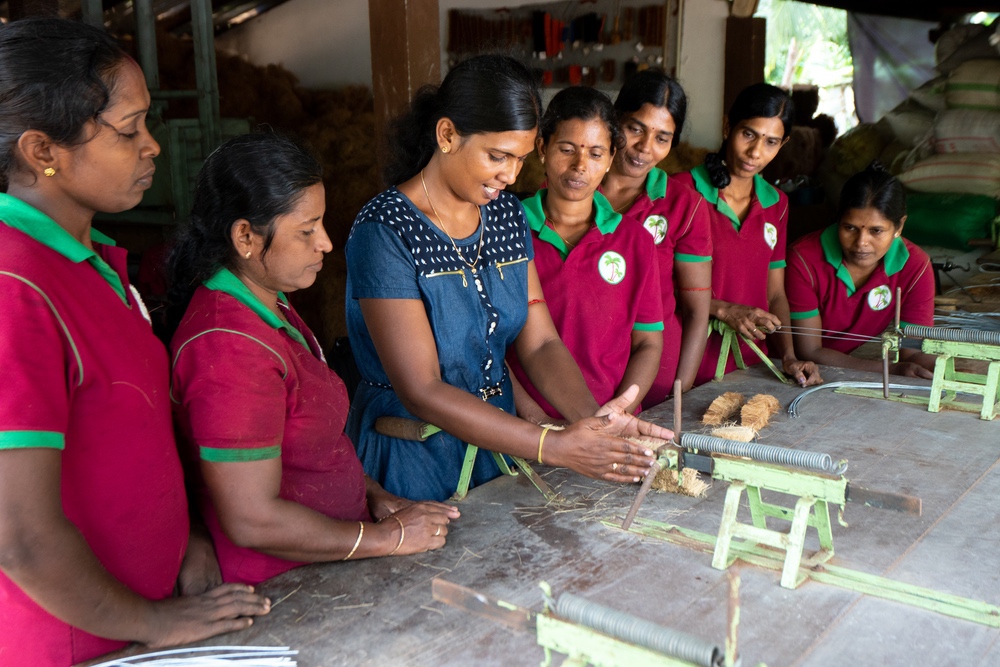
{"x":656,"y":184}
{"x":893,"y":262}
{"x":605,"y":219}
{"x":226,"y":281}
{"x":27,"y":219}
{"x":767,"y":195}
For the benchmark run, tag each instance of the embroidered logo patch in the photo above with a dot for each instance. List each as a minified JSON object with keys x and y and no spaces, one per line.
{"x":657,"y":226}
{"x":880,"y":298}
{"x":611,"y":266}
{"x":770,"y":235}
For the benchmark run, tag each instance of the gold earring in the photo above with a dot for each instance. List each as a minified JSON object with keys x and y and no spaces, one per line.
{"x":542,"y":158}
{"x":444,"y":149}
{"x":49,"y":171}
{"x":248,"y":254}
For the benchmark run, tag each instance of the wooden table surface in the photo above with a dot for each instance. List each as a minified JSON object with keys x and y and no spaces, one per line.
{"x":380,"y":611}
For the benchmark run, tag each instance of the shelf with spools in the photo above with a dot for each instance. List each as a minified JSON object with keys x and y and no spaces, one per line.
{"x":597,"y":43}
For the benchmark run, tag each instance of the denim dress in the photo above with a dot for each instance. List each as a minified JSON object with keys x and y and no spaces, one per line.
{"x":395,"y":252}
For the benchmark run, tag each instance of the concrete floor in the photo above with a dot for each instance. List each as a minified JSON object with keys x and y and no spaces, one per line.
{"x":380,"y":611}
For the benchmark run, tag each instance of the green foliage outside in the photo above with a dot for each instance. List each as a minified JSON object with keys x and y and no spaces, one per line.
{"x":806,"y":44}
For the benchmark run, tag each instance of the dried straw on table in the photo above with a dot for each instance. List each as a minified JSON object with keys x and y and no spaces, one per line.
{"x":723,"y":409}
{"x":758,"y":411}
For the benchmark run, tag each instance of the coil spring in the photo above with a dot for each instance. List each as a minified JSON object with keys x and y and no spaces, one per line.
{"x":953,"y":335}
{"x":638,"y":631}
{"x":766,"y":453}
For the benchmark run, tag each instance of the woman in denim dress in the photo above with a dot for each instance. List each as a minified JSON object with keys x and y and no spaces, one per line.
{"x":441,"y":282}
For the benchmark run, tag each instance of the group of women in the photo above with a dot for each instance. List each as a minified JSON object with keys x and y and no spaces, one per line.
{"x":465,"y":309}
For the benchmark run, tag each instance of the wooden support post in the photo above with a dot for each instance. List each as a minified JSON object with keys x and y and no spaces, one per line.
{"x":406,"y":54}
{"x":745,"y":41}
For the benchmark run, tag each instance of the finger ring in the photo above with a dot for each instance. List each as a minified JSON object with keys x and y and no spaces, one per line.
{"x":614,"y":467}
{"x":437,"y":532}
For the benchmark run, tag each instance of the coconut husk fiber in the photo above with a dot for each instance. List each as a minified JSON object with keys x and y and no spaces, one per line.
{"x":692,"y":485}
{"x":737,"y":433}
{"x":723,"y":409}
{"x":758,"y":411}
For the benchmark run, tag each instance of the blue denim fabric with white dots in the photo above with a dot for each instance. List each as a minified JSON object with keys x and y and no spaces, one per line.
{"x":395,"y":252}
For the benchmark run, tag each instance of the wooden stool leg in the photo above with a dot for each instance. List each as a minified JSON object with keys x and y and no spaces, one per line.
{"x":990,"y":391}
{"x":796,"y":541}
{"x":937,"y":386}
{"x":721,"y":556}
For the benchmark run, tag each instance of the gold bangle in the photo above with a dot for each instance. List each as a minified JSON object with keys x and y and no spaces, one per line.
{"x":402,"y":534}
{"x":541,"y":442}
{"x":361,"y":534}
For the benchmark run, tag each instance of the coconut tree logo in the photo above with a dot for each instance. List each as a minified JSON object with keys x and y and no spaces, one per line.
{"x":657,"y":226}
{"x":611,"y":266}
{"x":770,"y":235}
{"x":880,"y":298}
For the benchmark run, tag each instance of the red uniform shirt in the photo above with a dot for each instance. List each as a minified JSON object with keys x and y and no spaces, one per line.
{"x":599,"y":292}
{"x":742,"y":255}
{"x":677,"y":218}
{"x":248,"y":386}
{"x":817,"y":283}
{"x":83,"y":374}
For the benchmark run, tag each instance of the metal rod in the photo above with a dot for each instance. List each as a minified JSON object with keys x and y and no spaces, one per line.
{"x":145,"y":36}
{"x":793,"y":407}
{"x":952,"y":335}
{"x":677,"y":410}
{"x":815,"y":461}
{"x":638,"y":631}
{"x":203,"y":32}
{"x":885,"y":374}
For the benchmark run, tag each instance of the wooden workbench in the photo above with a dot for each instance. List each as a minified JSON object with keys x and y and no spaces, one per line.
{"x":380,"y":611}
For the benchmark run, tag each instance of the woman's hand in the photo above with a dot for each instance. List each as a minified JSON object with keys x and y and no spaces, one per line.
{"x":381,"y":503}
{"x":426,"y":525}
{"x":191,"y":618}
{"x":911,"y":370}
{"x":805,"y":373}
{"x":753,"y":323}
{"x":624,"y":424}
{"x":595,"y":446}
{"x":200,"y":568}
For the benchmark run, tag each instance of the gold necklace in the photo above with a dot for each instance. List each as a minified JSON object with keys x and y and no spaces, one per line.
{"x":437,"y":215}
{"x":552,"y":226}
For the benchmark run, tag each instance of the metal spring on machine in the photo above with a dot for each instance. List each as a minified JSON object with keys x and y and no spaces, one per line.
{"x":638,"y":631}
{"x":953,"y":335}
{"x":766,"y":453}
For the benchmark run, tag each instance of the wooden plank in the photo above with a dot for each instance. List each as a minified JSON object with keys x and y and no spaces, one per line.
{"x":406,"y":54}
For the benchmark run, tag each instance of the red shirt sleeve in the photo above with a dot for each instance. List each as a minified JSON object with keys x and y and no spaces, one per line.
{"x":40,"y":365}
{"x":801,"y":285}
{"x":778,"y":253}
{"x":696,"y":235}
{"x":224,"y":406}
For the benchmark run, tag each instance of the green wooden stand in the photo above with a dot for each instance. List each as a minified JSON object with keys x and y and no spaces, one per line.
{"x":815,"y":493}
{"x":947,"y":379}
{"x":731,"y":345}
{"x":465,"y":478}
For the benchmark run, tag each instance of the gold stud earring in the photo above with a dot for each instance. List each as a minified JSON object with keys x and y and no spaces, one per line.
{"x":444,"y":149}
{"x":49,"y":171}
{"x":248,"y":254}
{"x":542,"y":158}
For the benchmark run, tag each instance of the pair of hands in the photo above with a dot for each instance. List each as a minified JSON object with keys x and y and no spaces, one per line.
{"x":756,"y":324}
{"x":595,"y":447}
